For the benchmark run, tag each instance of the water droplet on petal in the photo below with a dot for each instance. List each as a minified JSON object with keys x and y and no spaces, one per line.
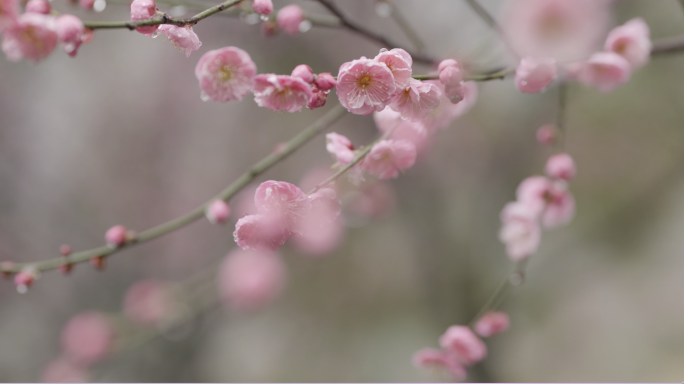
{"x":383,"y":9}
{"x":69,"y":47}
{"x":99,"y":5}
{"x":155,"y":35}
{"x":304,"y":26}
{"x":204,"y":96}
{"x":264,"y":17}
{"x":383,"y":50}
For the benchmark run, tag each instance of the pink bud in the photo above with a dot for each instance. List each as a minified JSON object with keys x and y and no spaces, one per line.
{"x":318,"y":98}
{"x":98,"y":262}
{"x":561,"y":166}
{"x":304,"y":72}
{"x":289,"y":18}
{"x":218,"y":212}
{"x":546,"y":134}
{"x":535,"y":74}
{"x":492,"y":323}
{"x":450,"y":72}
{"x":448,"y":63}
{"x":87,"y":337}
{"x":24,"y":278}
{"x":248,"y":280}
{"x":65,"y":249}
{"x":461,"y":341}
{"x":455,"y":93}
{"x":262,"y":7}
{"x":144,"y":10}
{"x":148,"y":302}
{"x":116,"y":236}
{"x":632,"y":41}
{"x":86,"y":4}
{"x":325,"y":81}
{"x":38,"y":6}
{"x":65,"y":268}
{"x":70,"y":31}
{"x":604,"y":71}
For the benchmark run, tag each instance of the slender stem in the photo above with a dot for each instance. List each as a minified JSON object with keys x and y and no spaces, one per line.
{"x":152,"y":233}
{"x":560,"y":115}
{"x":489,"y":19}
{"x":361,"y":30}
{"x":513,"y":279}
{"x":162,"y":18}
{"x":673,"y":44}
{"x":405,"y":26}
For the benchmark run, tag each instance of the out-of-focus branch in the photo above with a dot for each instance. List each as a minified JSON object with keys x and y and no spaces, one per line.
{"x":162,"y":229}
{"x":674,"y":44}
{"x":489,"y":19}
{"x":498,"y":74}
{"x":359,"y":29}
{"x":405,"y":26}
{"x":512,"y":280}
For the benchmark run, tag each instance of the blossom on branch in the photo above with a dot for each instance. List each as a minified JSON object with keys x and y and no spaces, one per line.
{"x":416,"y":100}
{"x":289,"y":18}
{"x":225,"y":74}
{"x":183,"y":38}
{"x":365,"y":86}
{"x":632,"y":41}
{"x":32,"y":37}
{"x":70,"y":32}
{"x":388,"y":157}
{"x":534,"y":75}
{"x":144,"y":10}
{"x":281,"y":92}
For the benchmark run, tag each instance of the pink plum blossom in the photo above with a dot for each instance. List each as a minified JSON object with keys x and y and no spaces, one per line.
{"x":446,"y":112}
{"x":560,"y":208}
{"x":533,"y":192}
{"x":116,"y":236}
{"x":401,"y":129}
{"x":632,"y":41}
{"x":604,"y":71}
{"x":520,"y":230}
{"x":63,"y":370}
{"x":281,"y":92}
{"x":325,"y":81}
{"x":283,"y":201}
{"x":32,"y":37}
{"x":450,"y":72}
{"x":561,"y":166}
{"x":262,"y":7}
{"x":144,"y":10}
{"x":289,"y":18}
{"x":148,"y":302}
{"x":462,"y":342}
{"x":416,"y":100}
{"x":87,"y":337}
{"x":318,"y":98}
{"x":437,"y":358}
{"x":546,"y":134}
{"x":248,"y":280}
{"x":340,"y":147}
{"x":70,"y":31}
{"x":321,"y":229}
{"x":304,"y":72}
{"x":38,"y":6}
{"x":534,"y":75}
{"x":260,"y":232}
{"x":492,"y":323}
{"x":225,"y":74}
{"x":183,"y":38}
{"x":364,"y":86}
{"x":399,"y":63}
{"x":388,"y":157}
{"x":218,"y":212}
{"x":9,"y":12}
{"x":86,"y":4}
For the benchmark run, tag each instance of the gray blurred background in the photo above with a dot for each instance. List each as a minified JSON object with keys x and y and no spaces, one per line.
{"x":119,"y":135}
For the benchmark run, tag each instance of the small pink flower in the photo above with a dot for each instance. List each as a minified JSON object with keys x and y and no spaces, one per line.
{"x":86,"y":4}
{"x":533,"y":192}
{"x":546,"y":134}
{"x":38,"y":6}
{"x":417,"y":100}
{"x":561,"y":166}
{"x":148,"y":302}
{"x":283,"y":201}
{"x":462,"y":342}
{"x":450,"y":72}
{"x":520,"y":231}
{"x":9,"y":12}
{"x":24,"y":278}
{"x":437,"y":358}
{"x":62,"y":370}
{"x":281,"y":92}
{"x":492,"y":323}
{"x":399,"y":63}
{"x":340,"y":147}
{"x":289,"y":18}
{"x":560,"y":208}
{"x":325,"y":81}
{"x":632,"y":41}
{"x":183,"y":38}
{"x":144,"y":10}
{"x":304,"y":72}
{"x":262,"y":7}
{"x":218,"y":212}
{"x":535,"y":74}
{"x":33,"y":37}
{"x":260,"y":233}
{"x":318,"y":98}
{"x":388,"y":157}
{"x":321,"y":229}
{"x":248,"y":280}
{"x":116,"y":236}
{"x":364,"y":86}
{"x":87,"y":337}
{"x":225,"y":74}
{"x":70,"y":32}
{"x":447,"y":111}
{"x":604,"y":71}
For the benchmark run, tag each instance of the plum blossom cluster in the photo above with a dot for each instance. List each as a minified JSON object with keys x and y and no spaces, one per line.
{"x":542,"y":202}
{"x":34,"y":34}
{"x":461,"y":347}
{"x":181,"y":37}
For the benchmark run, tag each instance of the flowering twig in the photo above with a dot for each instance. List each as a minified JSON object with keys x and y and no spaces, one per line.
{"x":162,"y":229}
{"x":354,"y":27}
{"x":513,"y":279}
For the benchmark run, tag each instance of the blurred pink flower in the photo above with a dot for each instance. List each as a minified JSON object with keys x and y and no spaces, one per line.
{"x":281,"y":92}
{"x":416,"y":100}
{"x":62,"y":370}
{"x":402,"y":129}
{"x":304,"y":72}
{"x":32,"y":37}
{"x":399,"y":63}
{"x":289,"y":17}
{"x":560,"y":208}
{"x":262,"y":7}
{"x":183,"y":38}
{"x":70,"y":30}
{"x":260,"y":233}
{"x":546,"y":134}
{"x":248,"y":280}
{"x":388,"y":157}
{"x":321,"y":231}
{"x":144,"y":10}
{"x":38,"y":6}
{"x":450,"y":72}
{"x":9,"y":12}
{"x":86,"y":4}
{"x":492,"y":323}
{"x":446,"y":112}
{"x":604,"y":71}
{"x":632,"y":41}
{"x":462,"y":342}
{"x":218,"y":212}
{"x":148,"y":302}
{"x":561,"y":166}
{"x":340,"y":147}
{"x":87,"y":337}
{"x":520,"y":230}
{"x":437,"y":358}
{"x":364,"y":86}
{"x":225,"y":74}
{"x":534,"y":74}
{"x":283,"y":201}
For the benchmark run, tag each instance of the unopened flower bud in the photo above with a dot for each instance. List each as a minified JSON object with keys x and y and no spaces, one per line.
{"x":546,"y":134}
{"x":561,"y":166}
{"x":218,"y":212}
{"x":289,"y":18}
{"x":38,"y":6}
{"x":116,"y":236}
{"x":304,"y":72}
{"x":262,"y":7}
{"x":325,"y":81}
{"x":98,"y":262}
